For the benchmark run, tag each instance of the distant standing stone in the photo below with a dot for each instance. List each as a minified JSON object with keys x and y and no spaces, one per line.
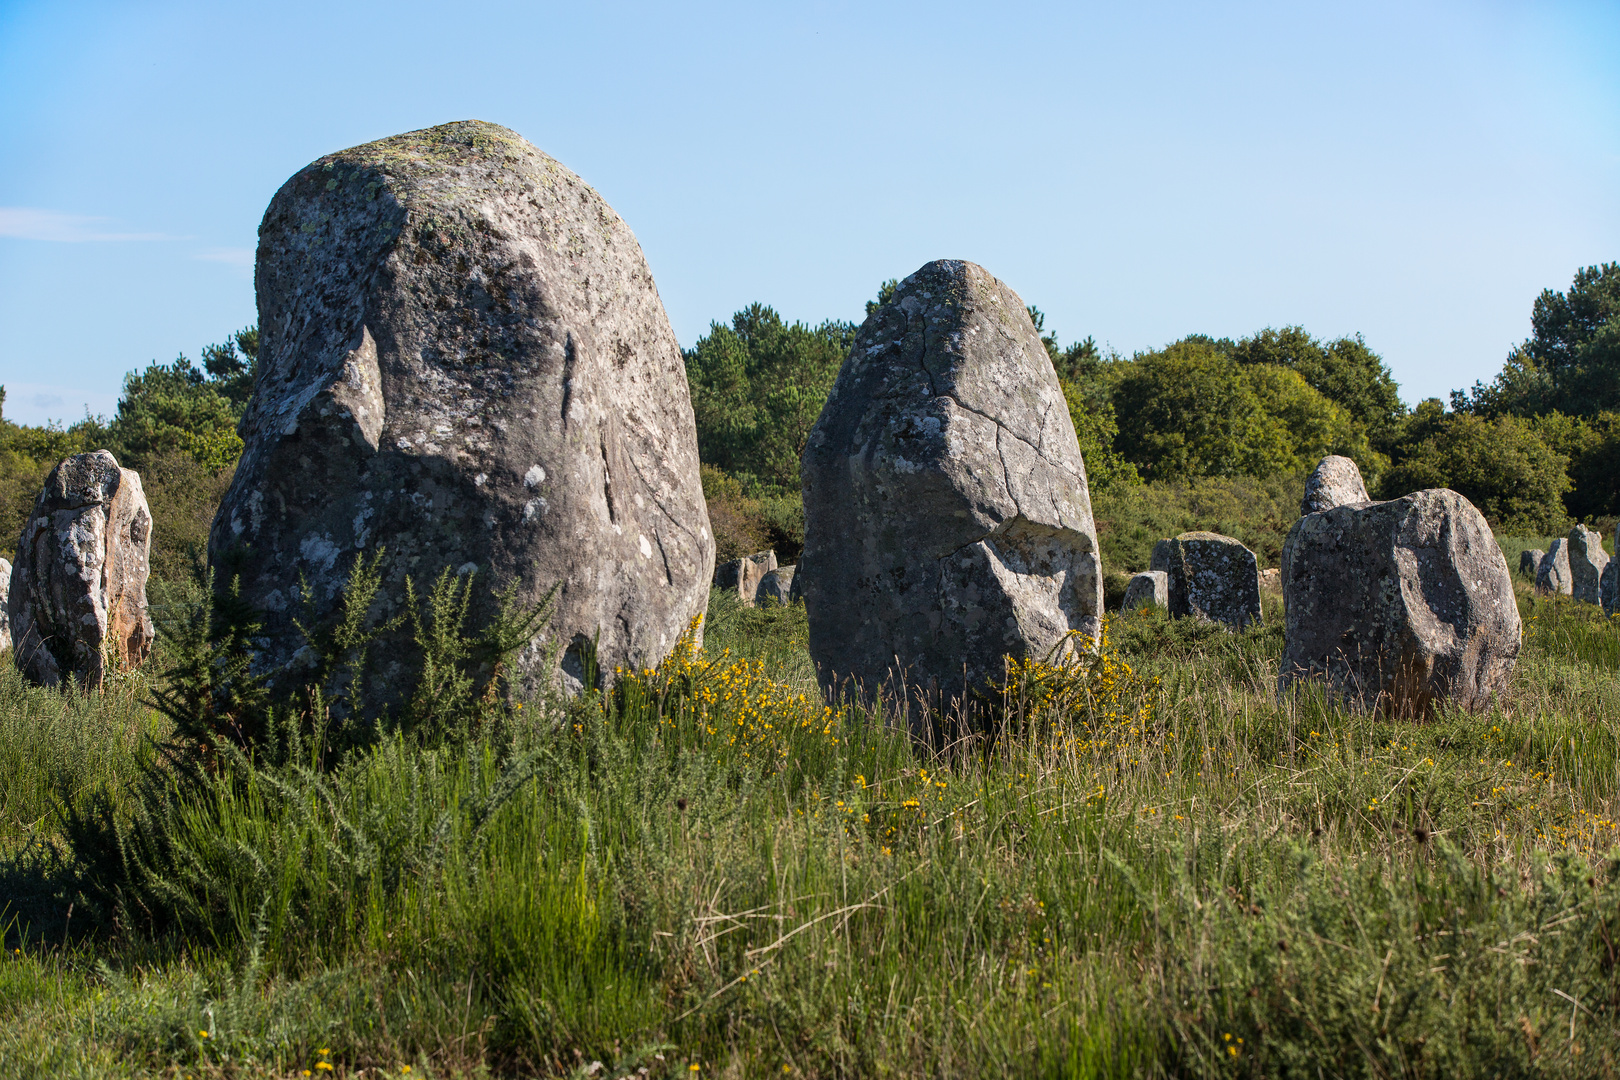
{"x":947,"y":519}
{"x":1148,"y":589}
{"x":5,"y":590}
{"x":1399,"y":605}
{"x":464,"y":359}
{"x":1553,"y":574}
{"x":1587,"y":561}
{"x":776,"y":587}
{"x":1335,"y":482}
{"x":1211,"y":577}
{"x":742,"y":576}
{"x":77,"y":597}
{"x":1609,"y":588}
{"x":1271,"y":580}
{"x":1530,"y":562}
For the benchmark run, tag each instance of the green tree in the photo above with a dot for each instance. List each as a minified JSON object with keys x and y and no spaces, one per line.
{"x":757,"y":387}
{"x":1345,"y":371}
{"x":174,"y":408}
{"x":1570,"y":363}
{"x":1502,"y":466}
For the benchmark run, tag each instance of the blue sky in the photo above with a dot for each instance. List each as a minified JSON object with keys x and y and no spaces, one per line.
{"x":1415,"y":172}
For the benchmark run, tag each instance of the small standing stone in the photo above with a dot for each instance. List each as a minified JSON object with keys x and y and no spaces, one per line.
{"x":1553,"y":574}
{"x":77,"y":602}
{"x":743,"y":576}
{"x":1587,"y":561}
{"x":776,"y":587}
{"x":1530,"y":562}
{"x":1149,"y":589}
{"x":1609,"y":588}
{"x":5,"y":590}
{"x":1271,"y":580}
{"x":1336,"y":482}
{"x":1211,"y":577}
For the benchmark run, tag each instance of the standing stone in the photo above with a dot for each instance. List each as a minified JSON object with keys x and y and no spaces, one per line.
{"x":947,"y":518}
{"x":742,"y":576}
{"x":1530,"y":562}
{"x":1587,"y":561}
{"x":1211,"y":577}
{"x":463,"y":359}
{"x":5,"y":591}
{"x":1271,"y":580}
{"x":1336,"y":482}
{"x":1149,"y":589}
{"x":77,"y":598}
{"x":1399,"y":605}
{"x":1553,"y":574}
{"x":1609,"y":588}
{"x":776,"y":587}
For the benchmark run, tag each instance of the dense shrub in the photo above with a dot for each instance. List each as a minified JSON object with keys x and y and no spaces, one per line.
{"x":1501,"y":466}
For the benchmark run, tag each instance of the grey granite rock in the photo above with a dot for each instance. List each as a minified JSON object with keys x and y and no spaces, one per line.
{"x":947,"y":519}
{"x":776,"y":587}
{"x":742,"y":576}
{"x":464,"y":359}
{"x":1211,"y":577}
{"x":5,"y":591}
{"x":1400,"y":605}
{"x":77,"y":600}
{"x":1150,"y":588}
{"x":1336,"y":481}
{"x":1609,"y":588}
{"x":1553,"y":575}
{"x":1587,"y":561}
{"x":1530,"y":562}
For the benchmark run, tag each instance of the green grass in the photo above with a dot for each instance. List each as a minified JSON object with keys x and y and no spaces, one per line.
{"x":1187,"y":878}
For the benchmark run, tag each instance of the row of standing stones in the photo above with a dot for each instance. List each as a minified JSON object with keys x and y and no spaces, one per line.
{"x":464,"y":359}
{"x":1576,"y":566}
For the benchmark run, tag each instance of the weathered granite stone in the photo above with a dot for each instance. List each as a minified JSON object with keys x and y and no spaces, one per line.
{"x":1150,"y":588}
{"x":1160,"y":558}
{"x":1399,"y":605}
{"x":742,"y":576}
{"x":796,"y":588}
{"x":77,"y":599}
{"x":1211,"y":577}
{"x":947,"y":518}
{"x":776,"y":587}
{"x":5,"y":591}
{"x":1553,"y":574}
{"x":1271,"y":580}
{"x":1336,"y":482}
{"x":1609,"y":588}
{"x":463,"y":359}
{"x":1587,"y":561}
{"x":1530,"y":562}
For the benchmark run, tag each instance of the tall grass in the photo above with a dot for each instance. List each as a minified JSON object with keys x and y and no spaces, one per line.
{"x":1165,"y":872}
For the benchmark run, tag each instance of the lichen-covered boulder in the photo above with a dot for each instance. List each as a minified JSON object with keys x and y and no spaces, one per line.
{"x":1530,"y":562}
{"x":776,"y":587}
{"x":1553,"y":575}
{"x":463,"y":359}
{"x":1148,"y":589}
{"x":742,"y":576}
{"x":1400,"y":605}
{"x":1587,"y":561}
{"x":1336,"y":481}
{"x":1211,"y":577}
{"x":77,"y":599}
{"x":5,"y":591}
{"x":947,"y":518}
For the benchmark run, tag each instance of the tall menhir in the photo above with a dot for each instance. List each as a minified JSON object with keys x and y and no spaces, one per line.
{"x":464,"y":360}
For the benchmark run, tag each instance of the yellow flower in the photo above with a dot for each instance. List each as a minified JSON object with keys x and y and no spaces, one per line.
{"x":327,"y":1065}
{"x":202,"y":1034}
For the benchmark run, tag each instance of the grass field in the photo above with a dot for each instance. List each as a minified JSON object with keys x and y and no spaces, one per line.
{"x":1153,"y":869}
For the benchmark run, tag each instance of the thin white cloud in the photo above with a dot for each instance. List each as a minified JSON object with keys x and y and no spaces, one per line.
{"x":239,"y":257}
{"x":32,"y":223}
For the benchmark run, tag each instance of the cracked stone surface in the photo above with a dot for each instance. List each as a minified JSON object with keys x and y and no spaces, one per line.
{"x":1587,"y":561}
{"x":1336,"y":481}
{"x":947,"y":519}
{"x":1211,"y":577}
{"x":1553,"y":574}
{"x":76,"y":604}
{"x":1400,"y":605}
{"x":743,"y":576}
{"x":464,"y":359}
